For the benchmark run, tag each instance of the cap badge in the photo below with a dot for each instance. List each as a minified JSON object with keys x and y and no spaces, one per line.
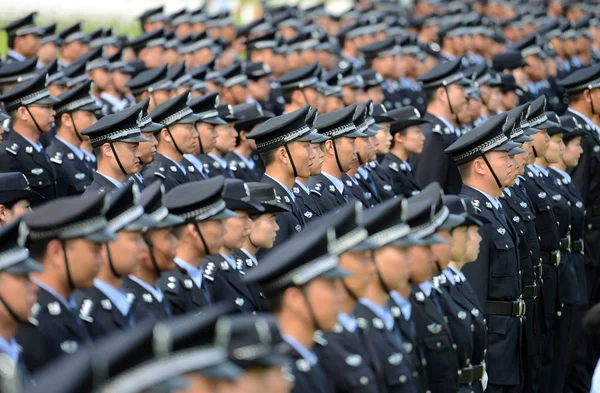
{"x":298,"y":228}
{"x":354,"y":360}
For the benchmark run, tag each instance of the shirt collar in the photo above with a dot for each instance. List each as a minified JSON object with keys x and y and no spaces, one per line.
{"x":347,"y":321}
{"x":248,"y":161}
{"x":195,"y":161}
{"x":339,"y":185}
{"x":586,"y":119}
{"x":306,"y":353}
{"x":110,"y":179}
{"x":178,"y":164}
{"x":156,"y":292}
{"x":90,"y":155}
{"x":116,"y":102}
{"x":403,"y":303}
{"x":220,"y":160}
{"x":564,"y":174}
{"x":290,"y":193}
{"x":116,"y":296}
{"x":194,"y":272}
{"x":494,"y":201}
{"x":69,"y":304}
{"x":449,"y":276}
{"x":37,"y":146}
{"x":458,"y":273}
{"x":450,"y":126}
{"x":507,"y":191}
{"x":363,"y":172}
{"x":426,"y":287}
{"x":11,"y":349}
{"x":16,"y":55}
{"x":302,"y":186}
{"x":544,"y":171}
{"x":73,"y":148}
{"x":384,"y":314}
{"x":229,"y":260}
{"x":252,"y":257}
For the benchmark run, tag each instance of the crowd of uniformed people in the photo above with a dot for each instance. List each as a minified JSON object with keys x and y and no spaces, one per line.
{"x":396,"y":198}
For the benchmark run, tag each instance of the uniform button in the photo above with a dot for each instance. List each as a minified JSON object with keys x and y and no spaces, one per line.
{"x":557,"y":222}
{"x":468,"y":362}
{"x":424,"y":362}
{"x":590,"y":227}
{"x":459,"y":372}
{"x":472,"y":328}
{"x":364,"y":381}
{"x":439,"y":344}
{"x":40,"y":183}
{"x":454,"y":346}
{"x":485,"y":352}
{"x":402,"y":379}
{"x":415,"y":374}
{"x":539,"y":238}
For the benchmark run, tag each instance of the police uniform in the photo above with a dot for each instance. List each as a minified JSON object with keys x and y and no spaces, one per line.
{"x":17,"y":153}
{"x":151,"y":80}
{"x":21,"y":27}
{"x":306,"y":202}
{"x":355,"y":191}
{"x":216,"y":166}
{"x":57,"y":327}
{"x":147,"y":305}
{"x":383,"y":182}
{"x":439,"y":135}
{"x":498,"y":260}
{"x":185,"y":287}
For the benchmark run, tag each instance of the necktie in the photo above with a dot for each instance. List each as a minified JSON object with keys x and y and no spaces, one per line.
{"x":345,"y":193}
{"x":205,"y":293}
{"x":373,"y":187}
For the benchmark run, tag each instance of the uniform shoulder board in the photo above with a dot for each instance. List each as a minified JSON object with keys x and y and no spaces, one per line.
{"x":224,"y":265}
{"x":159,"y":174}
{"x":210,"y":271}
{"x":296,"y":190}
{"x":437,"y":129}
{"x":233,"y":165}
{"x":13,"y":149}
{"x":172,"y":285}
{"x":313,"y":191}
{"x":57,"y":158}
{"x":85,"y":312}
{"x":35,"y":310}
{"x":240,"y":266}
{"x":394,"y":166}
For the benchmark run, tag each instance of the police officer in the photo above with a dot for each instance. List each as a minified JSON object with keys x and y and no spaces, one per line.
{"x":176,"y":138}
{"x":23,"y":38}
{"x":283,"y":144}
{"x":480,"y":154}
{"x":149,"y":130}
{"x":226,"y":274}
{"x":407,"y":140}
{"x":75,"y":112}
{"x":66,"y":236}
{"x":299,"y":87}
{"x":447,"y":104}
{"x":339,"y":156}
{"x":30,"y":106}
{"x":105,"y":307}
{"x":115,"y":139}
{"x":15,"y":196}
{"x":226,"y":136}
{"x":201,"y":206}
{"x":152,"y":83}
{"x":140,"y":286}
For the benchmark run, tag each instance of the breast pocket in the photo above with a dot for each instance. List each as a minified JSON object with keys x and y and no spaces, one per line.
{"x":39,"y":180}
{"x":502,"y":263}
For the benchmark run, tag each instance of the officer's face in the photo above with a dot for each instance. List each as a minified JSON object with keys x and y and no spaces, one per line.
{"x":119,"y":79}
{"x":509,"y":99}
{"x":237,"y":230}
{"x":346,"y":151}
{"x":129,"y":156}
{"x":572,"y":152}
{"x":47,"y":53}
{"x":301,"y":157}
{"x":263,"y":230}
{"x":474,"y":239}
{"x":459,"y":244}
{"x":186,"y":137}
{"x":30,"y":44}
{"x":164,"y":245}
{"x":374,"y":94}
{"x":126,"y":252}
{"x":536,"y":69}
{"x":457,"y":97}
{"x":102,"y":78}
{"x":442,"y":251}
{"x":364,"y":147}
{"x":384,"y":139}
{"x":555,"y":150}
{"x":423,"y":263}
{"x":226,"y":135}
{"x":158,"y":97}
{"x":515,"y":172}
{"x":413,"y":140}
{"x":19,"y":293}
{"x":238,"y":94}
{"x":253,"y":381}
{"x":540,"y":142}
{"x":324,"y":299}
{"x":522,"y":160}
{"x":259,"y":89}
{"x":213,"y":232}
{"x":43,"y":115}
{"x":473,"y":110}
{"x":316,"y":162}
{"x":19,"y":208}
{"x":394,"y":265}
{"x":84,"y":119}
{"x":333,"y":104}
{"x":349,"y":95}
{"x":153,"y":57}
{"x":491,"y":97}
{"x":85,"y":259}
{"x":208,"y":136}
{"x":362,"y":267}
{"x":502,"y":165}
{"x":148,"y":149}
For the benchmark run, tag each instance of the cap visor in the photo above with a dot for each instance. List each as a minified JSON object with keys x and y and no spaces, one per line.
{"x":548,"y":124}
{"x":406,"y":241}
{"x":135,"y":139}
{"x":452,"y":221}
{"x":353,"y":134}
{"x":217,"y":121}
{"x":376,"y":127}
{"x":506,"y":146}
{"x":152,"y":128}
{"x":189,"y":119}
{"x":432,"y":240}
{"x":530,"y":131}
{"x":273,"y":360}
{"x":310,"y":137}
{"x":227,"y":371}
{"x":223,"y":215}
{"x":170,"y":220}
{"x":250,"y":205}
{"x":46,"y":101}
{"x":335,"y":273}
{"x":24,"y":267}
{"x":145,"y":221}
{"x":8,"y":196}
{"x":522,"y":139}
{"x":102,"y":236}
{"x":320,"y":139}
{"x":366,"y":245}
{"x":515,"y":151}
{"x":369,"y":132}
{"x":90,"y":107}
{"x":275,"y":208}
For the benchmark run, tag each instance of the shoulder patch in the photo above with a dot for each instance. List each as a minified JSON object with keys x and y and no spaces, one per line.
{"x":210,"y":271}
{"x":13,"y":149}
{"x":161,"y":175}
{"x":172,"y":285}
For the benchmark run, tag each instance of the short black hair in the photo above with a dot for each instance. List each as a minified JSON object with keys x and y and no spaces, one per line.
{"x":287,"y":95}
{"x":11,"y":41}
{"x":465,"y":169}
{"x":430,"y":95}
{"x":38,"y":248}
{"x":268,"y":157}
{"x":275,"y":301}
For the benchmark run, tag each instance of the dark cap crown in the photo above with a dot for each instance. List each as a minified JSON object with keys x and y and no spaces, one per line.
{"x":281,"y":130}
{"x":198,"y":200}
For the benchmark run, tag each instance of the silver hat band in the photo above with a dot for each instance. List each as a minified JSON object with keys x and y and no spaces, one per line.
{"x":125,"y":218}
{"x":49,"y":39}
{"x":18,"y":79}
{"x":183,"y":79}
{"x":160,"y":214}
{"x":362,"y":127}
{"x":348,"y":80}
{"x":304,"y":45}
{"x":287,"y":138}
{"x":185,"y":18}
{"x":236,"y":80}
{"x":199,"y":86}
{"x":144,"y":121}
{"x":205,"y":212}
{"x":73,"y":230}
{"x":196,"y":46}
{"x":116,"y":136}
{"x":347,"y":241}
{"x":339,"y":131}
{"x":25,"y":30}
{"x":77,"y":80}
{"x":103,"y":41}
{"x":28,"y":99}
{"x":371,"y":121}
{"x":156,"y":18}
{"x":305,"y":273}
{"x":586,"y":86}
{"x":390,"y":234}
{"x":74,"y":105}
{"x":208,"y":114}
{"x":160,"y":85}
{"x":156,"y":42}
{"x":444,"y":82}
{"x":54,"y":77}
{"x":98,"y":63}
{"x":12,"y":256}
{"x":536,"y":121}
{"x":264,"y":45}
{"x":77,"y":36}
{"x":531,"y":51}
{"x":175,"y":117}
{"x":483,"y":148}
{"x":430,"y":226}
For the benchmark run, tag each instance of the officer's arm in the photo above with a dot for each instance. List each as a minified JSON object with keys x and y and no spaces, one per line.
{"x":477,"y":272}
{"x":581,"y":173}
{"x":432,"y":164}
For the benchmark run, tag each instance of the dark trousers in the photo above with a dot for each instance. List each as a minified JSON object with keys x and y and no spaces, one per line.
{"x":578,"y":377}
{"x":592,"y":275}
{"x":503,"y":389}
{"x":545,"y":381}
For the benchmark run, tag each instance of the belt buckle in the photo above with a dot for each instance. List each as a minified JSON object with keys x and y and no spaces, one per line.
{"x":540,"y":268}
{"x":556,"y":257}
{"x":520,"y":307}
{"x":535,"y":290}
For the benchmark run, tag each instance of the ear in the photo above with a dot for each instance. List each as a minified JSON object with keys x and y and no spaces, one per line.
{"x":65,"y":118}
{"x":55,"y":252}
{"x":281,"y":155}
{"x":398,"y":138}
{"x":441,"y":94}
{"x":478,"y":166}
{"x":107,"y":150}
{"x":297,"y":96}
{"x":164,"y":135}
{"x":329,"y":147}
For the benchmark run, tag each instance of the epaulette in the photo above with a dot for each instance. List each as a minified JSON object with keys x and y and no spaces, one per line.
{"x":240,"y":266}
{"x":85,"y":312}
{"x":296,"y":190}
{"x":315,"y":192}
{"x":159,"y":174}
{"x":54,"y":308}
{"x":57,"y":158}
{"x":394,"y":166}
{"x":13,"y":149}
{"x":437,"y":129}
{"x":172,"y":285}
{"x":210,"y":271}
{"x":35,"y":310}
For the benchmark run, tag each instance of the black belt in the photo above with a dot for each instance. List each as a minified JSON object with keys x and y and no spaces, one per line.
{"x":514,"y":309}
{"x":593,"y":211}
{"x":577,"y":245}
{"x":538,"y":269}
{"x":565,"y":243}
{"x":551,"y":257}
{"x":530,"y":291}
{"x":471,"y":374}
